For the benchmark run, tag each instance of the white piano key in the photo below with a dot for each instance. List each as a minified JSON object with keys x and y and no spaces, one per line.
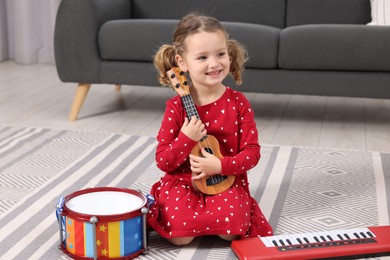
{"x":266,"y":241}
{"x":269,"y":241}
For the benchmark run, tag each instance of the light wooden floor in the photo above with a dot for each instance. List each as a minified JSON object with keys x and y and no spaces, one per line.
{"x":34,"y":96}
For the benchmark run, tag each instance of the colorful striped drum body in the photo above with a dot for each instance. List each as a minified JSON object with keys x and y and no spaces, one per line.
{"x":113,"y":239}
{"x":103,"y":223}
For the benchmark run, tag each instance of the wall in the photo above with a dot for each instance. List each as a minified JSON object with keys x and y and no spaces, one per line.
{"x":26,"y":30}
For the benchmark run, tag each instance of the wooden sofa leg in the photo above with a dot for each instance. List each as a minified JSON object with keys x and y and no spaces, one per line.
{"x":118,"y":87}
{"x":81,"y":94}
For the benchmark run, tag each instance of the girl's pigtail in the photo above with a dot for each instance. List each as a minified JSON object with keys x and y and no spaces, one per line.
{"x":164,"y":60}
{"x":238,"y":56}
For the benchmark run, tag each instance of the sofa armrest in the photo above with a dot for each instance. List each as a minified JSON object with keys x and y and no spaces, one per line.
{"x":75,"y":36}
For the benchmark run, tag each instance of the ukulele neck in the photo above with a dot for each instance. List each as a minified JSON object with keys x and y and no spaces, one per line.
{"x":189,"y":106}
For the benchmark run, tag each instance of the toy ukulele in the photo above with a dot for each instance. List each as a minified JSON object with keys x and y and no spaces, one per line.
{"x":212,"y":184}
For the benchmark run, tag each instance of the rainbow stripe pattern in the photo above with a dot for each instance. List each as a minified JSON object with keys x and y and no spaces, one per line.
{"x":113,"y":239}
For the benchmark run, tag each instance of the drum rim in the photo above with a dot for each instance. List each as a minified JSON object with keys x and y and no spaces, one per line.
{"x":115,"y":217}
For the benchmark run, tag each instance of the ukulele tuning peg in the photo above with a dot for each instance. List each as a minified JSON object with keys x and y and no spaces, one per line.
{"x":173,"y":75}
{"x":185,"y":83}
{"x":177,"y":85}
{"x":181,"y":73}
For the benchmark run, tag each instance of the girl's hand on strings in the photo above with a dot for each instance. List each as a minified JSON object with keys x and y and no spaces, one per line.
{"x":194,"y":129}
{"x":205,"y":166}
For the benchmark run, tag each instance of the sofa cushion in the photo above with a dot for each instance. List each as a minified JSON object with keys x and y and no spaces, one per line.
{"x":134,"y":39}
{"x":300,"y":12}
{"x":260,"y":41}
{"x":267,"y":12}
{"x":139,"y":39}
{"x":335,"y":47}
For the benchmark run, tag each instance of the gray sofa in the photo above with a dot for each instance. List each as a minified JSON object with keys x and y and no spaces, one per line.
{"x":310,"y":47}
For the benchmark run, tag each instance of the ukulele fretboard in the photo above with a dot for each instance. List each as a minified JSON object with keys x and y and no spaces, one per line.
{"x":189,"y":106}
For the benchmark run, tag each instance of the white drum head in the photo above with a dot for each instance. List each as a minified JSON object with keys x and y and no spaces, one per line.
{"x":105,"y":203}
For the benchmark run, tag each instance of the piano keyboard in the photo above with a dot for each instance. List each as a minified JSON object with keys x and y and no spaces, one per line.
{"x":285,"y":242}
{"x":326,"y":244}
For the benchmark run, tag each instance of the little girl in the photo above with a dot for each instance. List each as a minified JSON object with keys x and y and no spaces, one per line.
{"x":202,"y":50}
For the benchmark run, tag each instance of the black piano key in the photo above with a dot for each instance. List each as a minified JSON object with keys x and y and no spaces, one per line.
{"x":346,"y":235}
{"x":289,"y":242}
{"x":306,"y":240}
{"x":330,"y":238}
{"x":370,"y":234}
{"x":275,"y":243}
{"x":363,"y":235}
{"x":323,"y":238}
{"x":356,"y":235}
{"x":282,"y":242}
{"x":340,"y":236}
{"x":299,"y":240}
{"x":316,"y":239}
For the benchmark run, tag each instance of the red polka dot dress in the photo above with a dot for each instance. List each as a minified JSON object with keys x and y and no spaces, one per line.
{"x":181,"y":211}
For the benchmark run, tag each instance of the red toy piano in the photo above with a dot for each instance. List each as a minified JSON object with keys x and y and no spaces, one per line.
{"x":328,"y":244}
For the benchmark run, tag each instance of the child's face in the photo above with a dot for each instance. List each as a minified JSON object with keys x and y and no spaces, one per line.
{"x":206,"y":58}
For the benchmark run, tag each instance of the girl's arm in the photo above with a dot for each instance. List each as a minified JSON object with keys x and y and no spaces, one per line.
{"x":249,"y":147}
{"x":173,"y":145}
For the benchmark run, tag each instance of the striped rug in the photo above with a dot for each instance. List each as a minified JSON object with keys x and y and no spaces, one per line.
{"x":298,"y":189}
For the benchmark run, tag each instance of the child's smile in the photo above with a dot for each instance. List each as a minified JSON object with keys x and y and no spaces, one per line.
{"x":213,"y":73}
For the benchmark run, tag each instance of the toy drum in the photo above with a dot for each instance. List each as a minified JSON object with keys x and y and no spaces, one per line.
{"x":103,"y":223}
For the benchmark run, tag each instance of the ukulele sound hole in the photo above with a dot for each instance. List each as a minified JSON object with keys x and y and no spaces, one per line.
{"x":215,"y":179}
{"x":209,"y":150}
